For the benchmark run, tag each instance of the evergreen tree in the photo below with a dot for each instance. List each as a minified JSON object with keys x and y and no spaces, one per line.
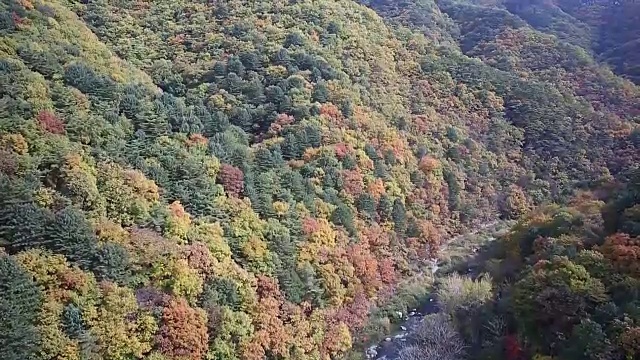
{"x":222,"y":292}
{"x":347,"y":108}
{"x":385,"y":208}
{"x":23,"y":225}
{"x":70,"y":234}
{"x":313,"y":136}
{"x":380,"y":170}
{"x":367,"y":205}
{"x":264,"y":160}
{"x":112,"y":264}
{"x":290,"y":147}
{"x":20,"y":301}
{"x":399,"y":216}
{"x":343,"y":216}
{"x":320,"y":93}
{"x":314,"y":293}
{"x":72,"y":321}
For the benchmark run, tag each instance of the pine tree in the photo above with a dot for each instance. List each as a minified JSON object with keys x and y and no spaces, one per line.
{"x":23,"y":226}
{"x":380,"y":170}
{"x":314,"y":293}
{"x":367,"y":205}
{"x":20,"y":301}
{"x":150,"y":120}
{"x":313,"y":135}
{"x":222,"y":292}
{"x":112,"y":264}
{"x":399,"y":216}
{"x":72,"y":321}
{"x":264,"y":160}
{"x":320,"y":92}
{"x":343,"y":216}
{"x":385,"y":208}
{"x":234,"y":65}
{"x":290,"y":146}
{"x":70,"y":234}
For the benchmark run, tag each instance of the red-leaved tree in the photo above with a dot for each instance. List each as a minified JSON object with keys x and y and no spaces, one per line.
{"x":183,"y":334}
{"x":232,"y":179}
{"x":49,"y":122}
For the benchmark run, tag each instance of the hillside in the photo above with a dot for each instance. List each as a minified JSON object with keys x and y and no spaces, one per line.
{"x":246,"y":179}
{"x":561,"y":284}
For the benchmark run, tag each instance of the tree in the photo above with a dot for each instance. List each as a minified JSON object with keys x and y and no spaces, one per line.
{"x":367,"y":205}
{"x":220,"y":292}
{"x":555,"y":295}
{"x":320,"y":93}
{"x":23,"y":225}
{"x":20,"y":301}
{"x":435,"y":338}
{"x":72,"y":321}
{"x":50,"y":123}
{"x":399,"y":216}
{"x":232,"y":179}
{"x":343,"y":216}
{"x":515,"y":203}
{"x":112,"y":263}
{"x":120,"y":328}
{"x":70,"y":234}
{"x":183,"y":331}
{"x":588,"y":341}
{"x":385,"y":208}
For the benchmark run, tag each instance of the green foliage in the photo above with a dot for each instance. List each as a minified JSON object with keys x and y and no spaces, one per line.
{"x":20,"y":301}
{"x":283,"y":164}
{"x":457,"y":292}
{"x":567,"y":294}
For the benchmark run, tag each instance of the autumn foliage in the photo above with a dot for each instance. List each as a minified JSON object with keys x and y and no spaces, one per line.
{"x":232,"y":179}
{"x":254,"y":179}
{"x":49,"y":122}
{"x":183,"y":331}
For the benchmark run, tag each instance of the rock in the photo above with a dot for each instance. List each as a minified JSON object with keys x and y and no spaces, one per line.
{"x":430,"y":299}
{"x":387,"y":339}
{"x":399,"y":313}
{"x":414,"y":310}
{"x":372,"y":352}
{"x":400,"y":336}
{"x":403,"y":328}
{"x":412,"y":313}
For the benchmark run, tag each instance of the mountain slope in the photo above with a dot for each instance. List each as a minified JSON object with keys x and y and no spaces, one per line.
{"x":607,"y":29}
{"x":241,"y":180}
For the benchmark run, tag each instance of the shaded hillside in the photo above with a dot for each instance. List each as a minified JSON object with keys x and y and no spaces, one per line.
{"x":611,"y":27}
{"x":565,"y":282}
{"x":606,"y":28}
{"x":246,"y":179}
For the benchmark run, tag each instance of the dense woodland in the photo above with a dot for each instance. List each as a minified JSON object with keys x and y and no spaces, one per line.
{"x":239,"y":180}
{"x":563,"y":283}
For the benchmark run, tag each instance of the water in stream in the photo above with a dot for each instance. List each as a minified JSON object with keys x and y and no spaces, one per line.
{"x":389,"y":347}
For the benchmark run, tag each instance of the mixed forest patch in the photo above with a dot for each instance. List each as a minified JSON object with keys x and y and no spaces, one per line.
{"x":187,"y":180}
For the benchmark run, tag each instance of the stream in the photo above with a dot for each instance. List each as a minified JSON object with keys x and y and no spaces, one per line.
{"x":389,"y":347}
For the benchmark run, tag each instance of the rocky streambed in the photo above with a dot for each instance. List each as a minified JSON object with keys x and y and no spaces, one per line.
{"x":390,"y":346}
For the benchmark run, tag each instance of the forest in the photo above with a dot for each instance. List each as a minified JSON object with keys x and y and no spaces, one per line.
{"x":244,"y":180}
